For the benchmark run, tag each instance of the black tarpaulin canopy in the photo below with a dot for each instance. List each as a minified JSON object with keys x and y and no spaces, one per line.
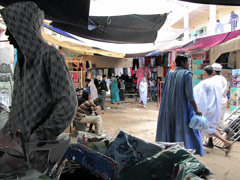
{"x":62,"y":11}
{"x":119,"y":29}
{"x":219,"y":2}
{"x":73,"y":16}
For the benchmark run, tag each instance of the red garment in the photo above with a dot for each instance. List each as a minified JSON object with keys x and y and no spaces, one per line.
{"x":159,"y":60}
{"x":165,"y":70}
{"x":139,"y":75}
{"x":147,"y":61}
{"x":146,"y":72}
{"x":132,"y":71}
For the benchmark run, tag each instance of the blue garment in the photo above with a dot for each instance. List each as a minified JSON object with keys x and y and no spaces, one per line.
{"x":233,"y":21}
{"x":176,"y":111}
{"x":114,"y":91}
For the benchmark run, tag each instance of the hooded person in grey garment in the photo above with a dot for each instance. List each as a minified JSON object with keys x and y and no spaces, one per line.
{"x":44,"y":101}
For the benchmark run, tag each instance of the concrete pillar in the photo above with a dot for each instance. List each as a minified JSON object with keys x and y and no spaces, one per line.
{"x":212,"y":19}
{"x":186,"y":25}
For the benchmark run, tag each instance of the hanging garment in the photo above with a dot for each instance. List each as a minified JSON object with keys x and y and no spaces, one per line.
{"x":106,"y":72}
{"x":147,"y":61}
{"x":141,"y":62}
{"x":125,"y":71}
{"x":139,"y":75}
{"x":5,"y":68}
{"x":135,"y":64}
{"x":110,"y":72}
{"x":87,"y":65}
{"x":152,"y":62}
{"x":129,"y":72}
{"x":100,"y":72}
{"x":146,"y":72}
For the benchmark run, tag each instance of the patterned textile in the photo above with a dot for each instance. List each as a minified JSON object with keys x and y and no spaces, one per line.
{"x":85,"y":108}
{"x":44,"y":101}
{"x":128,"y":150}
{"x":97,"y":163}
{"x":25,"y":175}
{"x":5,"y":68}
{"x":4,"y":114}
{"x":174,"y":163}
{"x":41,"y":155}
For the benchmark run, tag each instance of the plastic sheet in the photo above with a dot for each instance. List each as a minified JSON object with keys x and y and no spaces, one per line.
{"x":128,"y":150}
{"x":174,"y":163}
{"x":99,"y":164}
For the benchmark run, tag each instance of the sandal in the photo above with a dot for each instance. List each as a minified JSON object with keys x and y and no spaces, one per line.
{"x":228,"y":150}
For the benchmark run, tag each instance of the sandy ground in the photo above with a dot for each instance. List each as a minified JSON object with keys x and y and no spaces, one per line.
{"x":132,"y":118}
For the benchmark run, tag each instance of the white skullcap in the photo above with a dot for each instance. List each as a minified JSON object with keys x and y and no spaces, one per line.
{"x":217,"y":67}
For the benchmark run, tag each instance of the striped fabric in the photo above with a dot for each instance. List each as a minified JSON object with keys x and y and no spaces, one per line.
{"x":85,"y":108}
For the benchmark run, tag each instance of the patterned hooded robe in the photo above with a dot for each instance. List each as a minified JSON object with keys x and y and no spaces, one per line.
{"x":44,"y":100}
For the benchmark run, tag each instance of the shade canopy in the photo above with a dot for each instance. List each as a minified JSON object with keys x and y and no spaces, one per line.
{"x":219,"y":2}
{"x":132,"y":28}
{"x":208,"y":42}
{"x":61,"y":11}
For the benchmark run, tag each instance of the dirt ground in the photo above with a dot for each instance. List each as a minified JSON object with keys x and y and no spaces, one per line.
{"x":132,"y":118}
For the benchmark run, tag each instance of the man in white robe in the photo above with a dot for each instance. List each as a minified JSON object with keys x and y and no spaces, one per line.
{"x":93,"y":89}
{"x":208,"y":97}
{"x":219,"y":79}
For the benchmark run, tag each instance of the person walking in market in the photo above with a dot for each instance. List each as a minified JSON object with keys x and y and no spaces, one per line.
{"x":104,"y":90}
{"x":44,"y":101}
{"x":143,"y":91}
{"x":221,"y":80}
{"x":208,"y":97}
{"x":114,"y":91}
{"x":176,"y":108}
{"x":122,"y":89}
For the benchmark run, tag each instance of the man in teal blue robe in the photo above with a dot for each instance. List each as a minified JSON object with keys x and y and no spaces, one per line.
{"x":177,"y":108}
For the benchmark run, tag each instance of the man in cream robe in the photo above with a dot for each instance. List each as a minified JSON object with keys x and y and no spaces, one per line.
{"x":208,"y":97}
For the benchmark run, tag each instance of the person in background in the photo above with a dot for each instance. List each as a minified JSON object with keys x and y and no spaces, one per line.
{"x":85,"y":96}
{"x":217,"y":68}
{"x":219,"y":27}
{"x":97,"y":83}
{"x":233,"y":21}
{"x":104,"y":90}
{"x":114,"y":91}
{"x":152,"y":85}
{"x":87,"y":113}
{"x":44,"y":100}
{"x":122,"y":89}
{"x":208,"y":97}
{"x":176,"y":108}
{"x":92,"y":88}
{"x":143,"y":90}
